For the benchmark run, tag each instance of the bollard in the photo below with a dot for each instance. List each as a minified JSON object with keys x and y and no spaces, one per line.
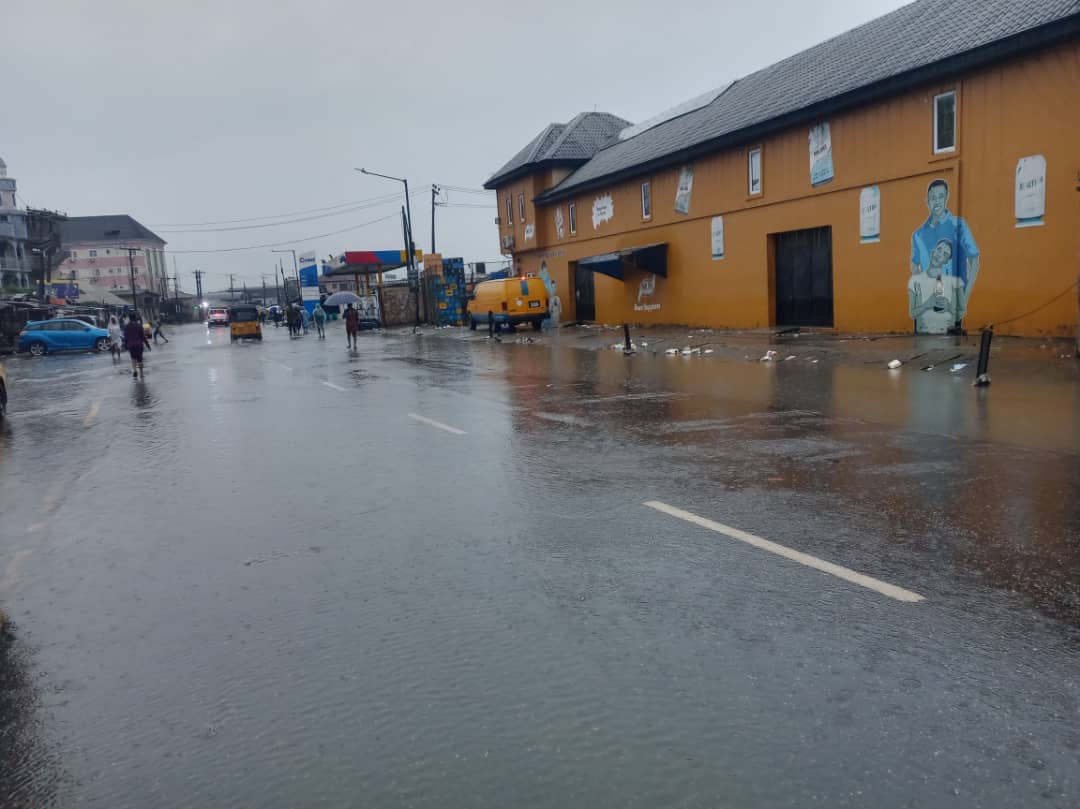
{"x":626,"y":338}
{"x":982,"y":378}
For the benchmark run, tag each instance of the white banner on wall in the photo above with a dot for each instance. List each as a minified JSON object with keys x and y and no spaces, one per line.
{"x":870,"y":215}
{"x":686,"y":188}
{"x":821,"y":166}
{"x":1030,"y":191}
{"x":603,"y":209}
{"x":530,"y":232}
{"x":717,"y":232}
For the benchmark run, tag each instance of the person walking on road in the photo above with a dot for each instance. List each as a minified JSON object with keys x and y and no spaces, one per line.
{"x":135,"y":339}
{"x":159,"y":333}
{"x":319,"y":316}
{"x":116,"y":337}
{"x":352,"y":325}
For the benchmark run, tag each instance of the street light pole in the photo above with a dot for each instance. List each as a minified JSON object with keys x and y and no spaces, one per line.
{"x":410,"y":259}
{"x":296,"y":271}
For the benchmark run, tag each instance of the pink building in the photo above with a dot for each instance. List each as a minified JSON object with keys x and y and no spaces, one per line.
{"x":101,"y":251}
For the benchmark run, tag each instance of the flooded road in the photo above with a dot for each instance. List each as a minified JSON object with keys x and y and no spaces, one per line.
{"x":453,"y":573}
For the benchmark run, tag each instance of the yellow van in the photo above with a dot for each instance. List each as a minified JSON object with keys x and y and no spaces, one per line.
{"x":510,"y":301}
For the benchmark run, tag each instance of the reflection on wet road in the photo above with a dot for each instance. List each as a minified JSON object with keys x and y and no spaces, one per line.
{"x":433,"y":573}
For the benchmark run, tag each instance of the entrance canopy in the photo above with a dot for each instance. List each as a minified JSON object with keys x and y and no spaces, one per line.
{"x":647,"y":258}
{"x":369,"y":262}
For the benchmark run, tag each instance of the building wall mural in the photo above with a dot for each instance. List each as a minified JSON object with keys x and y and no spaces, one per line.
{"x":944,"y":266}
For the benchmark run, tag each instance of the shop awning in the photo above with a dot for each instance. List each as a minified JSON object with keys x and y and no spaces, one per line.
{"x":647,"y":258}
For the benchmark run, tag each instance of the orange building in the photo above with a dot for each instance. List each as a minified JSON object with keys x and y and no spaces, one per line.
{"x":920,"y":172}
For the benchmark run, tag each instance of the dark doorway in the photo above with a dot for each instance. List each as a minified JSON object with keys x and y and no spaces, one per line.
{"x":804,"y":291}
{"x":584,"y":295}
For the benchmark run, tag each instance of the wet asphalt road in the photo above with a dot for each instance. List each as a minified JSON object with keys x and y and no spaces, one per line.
{"x":423,"y":575}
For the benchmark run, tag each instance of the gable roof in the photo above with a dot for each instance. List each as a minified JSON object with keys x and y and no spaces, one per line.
{"x":112,"y":228}
{"x":562,"y":144}
{"x":906,"y":48}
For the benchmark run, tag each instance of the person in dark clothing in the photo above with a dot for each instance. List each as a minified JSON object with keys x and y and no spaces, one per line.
{"x":159,"y":333}
{"x":135,"y":341}
{"x":352,"y":324}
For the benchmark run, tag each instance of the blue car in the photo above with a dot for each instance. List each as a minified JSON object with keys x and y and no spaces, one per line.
{"x":62,"y":334}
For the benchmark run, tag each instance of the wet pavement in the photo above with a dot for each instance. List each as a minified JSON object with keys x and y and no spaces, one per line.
{"x":425,"y":575}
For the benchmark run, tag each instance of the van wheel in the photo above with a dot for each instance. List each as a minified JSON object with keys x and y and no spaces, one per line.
{"x":472,"y":323}
{"x":538,"y":325}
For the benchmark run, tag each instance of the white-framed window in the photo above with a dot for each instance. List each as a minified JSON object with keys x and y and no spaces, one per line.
{"x":753,"y":171}
{"x":509,"y":211}
{"x":646,"y":200}
{"x":108,"y":252}
{"x":97,"y":273}
{"x":573,"y":218}
{"x":74,"y":254}
{"x":93,"y":254}
{"x":945,"y":122}
{"x":521,"y":207}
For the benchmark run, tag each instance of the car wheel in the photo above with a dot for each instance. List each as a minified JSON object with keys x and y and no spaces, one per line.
{"x":538,"y":325}
{"x":102,"y":344}
{"x":37,"y":348}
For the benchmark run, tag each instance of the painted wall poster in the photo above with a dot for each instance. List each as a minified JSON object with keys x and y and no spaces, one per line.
{"x":554,"y":302}
{"x":560,"y":224}
{"x":821,"y":165}
{"x":646,"y":289}
{"x":1030,"y":191}
{"x":717,"y":233}
{"x":685,"y":189}
{"x":944,"y":265}
{"x":530,"y":232}
{"x":870,"y":215}
{"x":603,"y":209}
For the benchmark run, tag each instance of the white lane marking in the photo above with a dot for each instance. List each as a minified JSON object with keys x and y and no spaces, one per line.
{"x":847,"y":574}
{"x":11,"y":572}
{"x":332,"y":385}
{"x":92,"y":414}
{"x":286,"y":367}
{"x":433,"y":423}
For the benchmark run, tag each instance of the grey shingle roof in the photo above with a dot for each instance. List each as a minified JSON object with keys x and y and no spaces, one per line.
{"x":573,"y":142}
{"x":116,"y":227}
{"x":904,"y":43}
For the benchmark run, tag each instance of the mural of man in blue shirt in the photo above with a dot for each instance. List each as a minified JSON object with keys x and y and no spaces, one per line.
{"x":943,"y":225}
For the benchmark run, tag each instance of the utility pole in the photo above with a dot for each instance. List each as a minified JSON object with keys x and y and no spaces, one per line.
{"x":284,"y":286}
{"x":434,"y":191}
{"x":198,"y":286}
{"x":408,"y":243}
{"x":264,"y":288}
{"x":232,"y":288}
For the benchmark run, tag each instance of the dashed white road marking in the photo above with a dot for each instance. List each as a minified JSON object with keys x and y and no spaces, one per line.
{"x":11,"y":572}
{"x":438,"y":424}
{"x":841,"y":572}
{"x":283,"y":365}
{"x":91,"y":414}
{"x":332,"y":385}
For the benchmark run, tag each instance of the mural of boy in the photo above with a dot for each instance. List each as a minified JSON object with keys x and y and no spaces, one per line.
{"x":942,"y":225}
{"x":936,"y":300}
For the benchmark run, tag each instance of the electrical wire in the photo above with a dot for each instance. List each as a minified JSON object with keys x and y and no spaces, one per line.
{"x":371,"y":204}
{"x":462,"y":190}
{"x":463,"y":205}
{"x":272,"y":216}
{"x":1054,"y":299}
{"x":394,"y":215}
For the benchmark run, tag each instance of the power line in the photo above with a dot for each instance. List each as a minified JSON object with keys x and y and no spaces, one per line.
{"x":463,"y":190}
{"x":290,"y":241}
{"x":372,"y":204}
{"x":464,"y":205}
{"x":271,"y":216}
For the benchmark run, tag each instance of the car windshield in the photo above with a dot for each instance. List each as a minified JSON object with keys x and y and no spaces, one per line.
{"x":563,"y":406}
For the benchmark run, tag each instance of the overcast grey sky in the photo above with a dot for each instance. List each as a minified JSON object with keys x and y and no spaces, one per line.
{"x":202,"y":111}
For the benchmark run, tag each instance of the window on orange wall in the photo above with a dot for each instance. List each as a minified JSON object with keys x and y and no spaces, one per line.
{"x":573,"y":218}
{"x":509,"y":211}
{"x":646,"y":201}
{"x":753,"y":169}
{"x":521,"y":207}
{"x":945,"y":122}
